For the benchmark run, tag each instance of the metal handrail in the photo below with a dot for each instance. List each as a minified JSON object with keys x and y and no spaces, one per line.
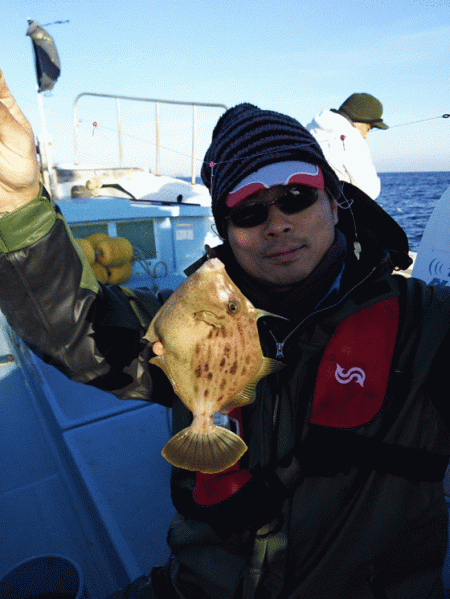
{"x":157,"y":102}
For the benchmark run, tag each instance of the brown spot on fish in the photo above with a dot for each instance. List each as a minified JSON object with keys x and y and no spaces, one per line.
{"x":222,"y":384}
{"x":233,"y":368}
{"x":198,"y":371}
{"x":209,"y":376}
{"x":222,"y":362}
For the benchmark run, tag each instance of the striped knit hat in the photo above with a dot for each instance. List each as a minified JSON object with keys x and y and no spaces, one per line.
{"x":246,"y":138}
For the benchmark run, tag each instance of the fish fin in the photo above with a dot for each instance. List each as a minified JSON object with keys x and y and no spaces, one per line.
{"x":248,"y":393}
{"x":261,"y":313}
{"x":150,"y":334}
{"x":244,"y":397}
{"x":158,"y":361}
{"x":148,"y":337}
{"x":161,"y":363}
{"x":268,"y":366}
{"x":208,"y":318}
{"x":204,"y":452}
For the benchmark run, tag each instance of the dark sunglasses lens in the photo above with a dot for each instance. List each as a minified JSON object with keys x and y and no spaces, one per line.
{"x":297,"y":200}
{"x":249,"y":215}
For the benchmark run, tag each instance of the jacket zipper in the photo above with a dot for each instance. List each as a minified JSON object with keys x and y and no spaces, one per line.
{"x":280,"y":344}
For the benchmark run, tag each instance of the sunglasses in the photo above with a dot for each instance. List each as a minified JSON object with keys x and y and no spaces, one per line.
{"x":251,"y":214}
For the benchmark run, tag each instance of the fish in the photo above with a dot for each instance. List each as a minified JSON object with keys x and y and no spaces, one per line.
{"x":205,"y":339}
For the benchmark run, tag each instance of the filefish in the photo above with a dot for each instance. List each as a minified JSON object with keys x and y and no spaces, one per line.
{"x":205,"y":339}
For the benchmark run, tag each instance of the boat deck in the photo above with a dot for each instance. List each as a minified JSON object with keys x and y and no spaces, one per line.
{"x":82,"y":474}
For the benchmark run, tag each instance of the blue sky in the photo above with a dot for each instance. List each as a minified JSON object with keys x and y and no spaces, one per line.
{"x":292,"y":56}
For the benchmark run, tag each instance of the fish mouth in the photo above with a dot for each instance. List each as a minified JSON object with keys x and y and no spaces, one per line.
{"x":209,"y":318}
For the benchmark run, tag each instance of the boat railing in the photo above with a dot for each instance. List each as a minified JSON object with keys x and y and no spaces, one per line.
{"x":157,"y":103}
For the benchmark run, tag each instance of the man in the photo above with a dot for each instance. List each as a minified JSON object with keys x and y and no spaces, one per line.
{"x":340,"y":493}
{"x":342,"y":133}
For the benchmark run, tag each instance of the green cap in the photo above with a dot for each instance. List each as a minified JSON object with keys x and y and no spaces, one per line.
{"x":364,"y":108}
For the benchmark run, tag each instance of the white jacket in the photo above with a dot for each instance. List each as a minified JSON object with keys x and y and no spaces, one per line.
{"x":346,"y":151}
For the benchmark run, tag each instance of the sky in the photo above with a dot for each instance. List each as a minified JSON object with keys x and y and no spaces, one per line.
{"x":292,"y":56}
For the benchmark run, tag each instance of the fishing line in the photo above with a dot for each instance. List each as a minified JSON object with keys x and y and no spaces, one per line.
{"x":189,"y":156}
{"x":97,"y":126}
{"x":112,"y":130}
{"x":213,"y":164}
{"x":444,"y":116}
{"x":144,"y":141}
{"x":348,"y":206}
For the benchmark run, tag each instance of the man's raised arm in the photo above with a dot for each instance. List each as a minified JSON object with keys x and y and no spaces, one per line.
{"x":19,"y":170}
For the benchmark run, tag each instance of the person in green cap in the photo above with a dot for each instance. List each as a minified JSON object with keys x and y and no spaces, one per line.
{"x":341,"y":135}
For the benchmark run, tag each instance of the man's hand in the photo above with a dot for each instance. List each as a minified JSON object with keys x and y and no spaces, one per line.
{"x":19,"y":170}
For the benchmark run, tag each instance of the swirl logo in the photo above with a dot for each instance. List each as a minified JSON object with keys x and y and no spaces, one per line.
{"x":355,"y":373}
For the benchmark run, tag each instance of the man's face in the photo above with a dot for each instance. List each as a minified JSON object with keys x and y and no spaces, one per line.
{"x":285,"y":248}
{"x":363,"y":128}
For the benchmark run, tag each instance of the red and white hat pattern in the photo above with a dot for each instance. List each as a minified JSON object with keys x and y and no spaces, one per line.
{"x":279,"y":173}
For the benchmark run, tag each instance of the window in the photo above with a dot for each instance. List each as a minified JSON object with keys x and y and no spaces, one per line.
{"x":84,"y":229}
{"x":141,"y":235}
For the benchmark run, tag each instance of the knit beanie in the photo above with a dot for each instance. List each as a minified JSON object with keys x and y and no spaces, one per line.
{"x":247,"y":138}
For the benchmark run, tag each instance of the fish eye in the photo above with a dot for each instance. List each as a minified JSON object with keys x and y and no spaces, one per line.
{"x":233,"y":307}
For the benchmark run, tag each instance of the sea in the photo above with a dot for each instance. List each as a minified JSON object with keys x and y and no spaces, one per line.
{"x":409,"y":198}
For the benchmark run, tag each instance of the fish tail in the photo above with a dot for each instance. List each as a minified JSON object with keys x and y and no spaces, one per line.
{"x":209,"y":452}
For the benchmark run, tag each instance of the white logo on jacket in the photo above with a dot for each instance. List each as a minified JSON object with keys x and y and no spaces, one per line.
{"x":354,"y":373}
